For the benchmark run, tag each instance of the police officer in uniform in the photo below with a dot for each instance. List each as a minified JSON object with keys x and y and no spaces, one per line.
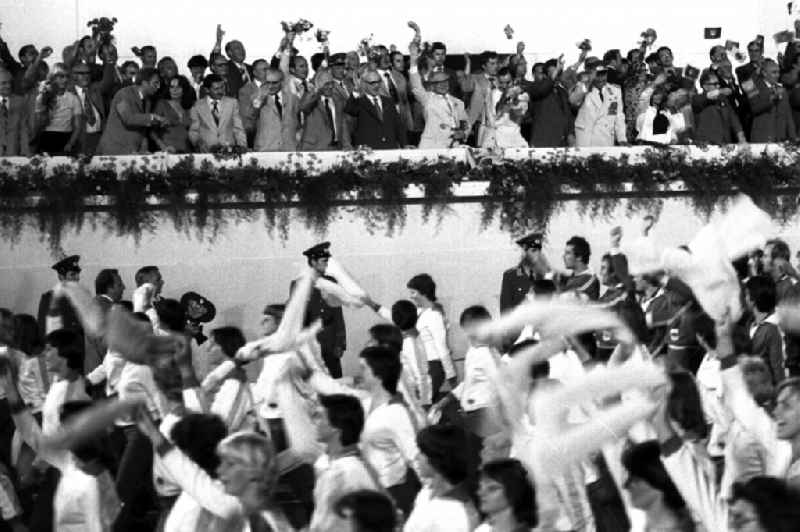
{"x":332,"y":338}
{"x":519,"y":280}
{"x":59,"y":314}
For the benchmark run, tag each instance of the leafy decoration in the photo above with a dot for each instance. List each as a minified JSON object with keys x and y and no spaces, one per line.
{"x":203,"y":197}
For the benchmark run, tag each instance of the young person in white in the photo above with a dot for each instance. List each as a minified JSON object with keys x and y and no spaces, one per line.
{"x":64,"y":362}
{"x":388,"y":442}
{"x":239,"y":501}
{"x":341,"y":470}
{"x":85,"y":499}
{"x":433,"y":332}
{"x":476,"y":393}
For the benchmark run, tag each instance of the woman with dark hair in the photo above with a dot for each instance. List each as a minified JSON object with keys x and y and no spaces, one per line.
{"x":651,"y":490}
{"x":174,"y":107}
{"x":445,"y":502}
{"x":432,"y":328}
{"x":507,"y":497}
{"x":763,"y":504}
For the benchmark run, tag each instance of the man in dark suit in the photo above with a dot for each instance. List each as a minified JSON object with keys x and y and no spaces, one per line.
{"x":553,"y":122}
{"x":129,"y":117}
{"x":333,"y":337}
{"x":93,"y":97}
{"x":439,"y":54}
{"x":108,"y":288}
{"x":325,"y":124}
{"x":14,"y":120}
{"x":60,"y":314}
{"x":377,"y":122}
{"x":769,"y":105}
{"x":239,"y":72}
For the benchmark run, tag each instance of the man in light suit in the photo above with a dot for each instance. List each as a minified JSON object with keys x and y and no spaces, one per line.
{"x":325,"y":124}
{"x":129,"y":116}
{"x":278,"y":118}
{"x":601,"y":120}
{"x":445,"y":117}
{"x":215,"y":119}
{"x":480,"y":84}
{"x":14,"y":120}
{"x":247,"y":95}
{"x":377,"y":122}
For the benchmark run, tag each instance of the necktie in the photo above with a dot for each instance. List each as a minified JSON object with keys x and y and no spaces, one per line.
{"x":492,"y":82}
{"x":88,"y":109}
{"x":215,"y":111}
{"x":4,"y":108}
{"x":392,"y":88}
{"x":377,"y":103}
{"x":450,"y":109}
{"x":305,"y":86}
{"x":600,"y":92}
{"x":279,"y":106}
{"x":329,"y":112}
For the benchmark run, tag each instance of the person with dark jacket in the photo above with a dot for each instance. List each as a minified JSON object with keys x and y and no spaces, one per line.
{"x":714,"y":117}
{"x":553,"y":122}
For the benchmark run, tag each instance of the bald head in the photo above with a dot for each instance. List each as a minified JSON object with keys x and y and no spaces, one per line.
{"x":371,"y":82}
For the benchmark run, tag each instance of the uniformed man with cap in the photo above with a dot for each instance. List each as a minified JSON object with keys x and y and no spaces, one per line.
{"x":519,"y":281}
{"x":198,"y":310}
{"x":332,"y":338}
{"x":59,"y":314}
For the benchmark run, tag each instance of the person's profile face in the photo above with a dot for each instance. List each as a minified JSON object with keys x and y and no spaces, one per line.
{"x":569,"y":257}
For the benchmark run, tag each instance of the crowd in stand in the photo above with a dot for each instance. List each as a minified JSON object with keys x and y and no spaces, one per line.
{"x":382,"y":98}
{"x":638,"y":398}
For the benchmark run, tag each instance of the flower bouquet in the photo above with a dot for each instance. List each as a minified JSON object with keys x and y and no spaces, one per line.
{"x":299,"y":27}
{"x":322,"y":36}
{"x":102,"y":28}
{"x":226,"y":152}
{"x":585,"y":45}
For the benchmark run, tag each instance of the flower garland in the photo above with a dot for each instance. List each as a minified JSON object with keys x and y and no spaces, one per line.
{"x":522,"y":194}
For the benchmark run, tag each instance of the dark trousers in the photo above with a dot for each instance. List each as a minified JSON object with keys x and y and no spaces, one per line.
{"x":333,"y":362}
{"x":53,"y":142}
{"x":89,"y":143}
{"x":135,"y":484}
{"x":436,"y":372}
{"x":6,"y":432}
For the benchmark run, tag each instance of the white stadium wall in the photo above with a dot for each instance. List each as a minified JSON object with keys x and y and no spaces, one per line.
{"x":244,"y":268}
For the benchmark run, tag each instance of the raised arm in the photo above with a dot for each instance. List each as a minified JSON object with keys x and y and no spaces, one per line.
{"x":417,"y":88}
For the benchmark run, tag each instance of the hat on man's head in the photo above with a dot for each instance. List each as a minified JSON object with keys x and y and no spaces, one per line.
{"x":592,"y":61}
{"x":69,"y":264}
{"x":320,"y":251}
{"x":533,"y":240}
{"x":338,"y":59}
{"x":198,"y":308}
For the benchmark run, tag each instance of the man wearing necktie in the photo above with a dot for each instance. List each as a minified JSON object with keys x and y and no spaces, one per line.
{"x":439,"y":54}
{"x":91,"y":97}
{"x":238,"y":73}
{"x":278,"y":115}
{"x":14,"y":122}
{"x":481,"y":84}
{"x":377,"y":123}
{"x":325,"y":124}
{"x":446,"y":118}
{"x":215,"y":119}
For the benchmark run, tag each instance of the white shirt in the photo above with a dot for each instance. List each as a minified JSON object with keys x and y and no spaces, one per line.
{"x":136,"y":382}
{"x":435,"y":514}
{"x":265,"y":391}
{"x":335,"y":478}
{"x":433,"y":333}
{"x":60,"y":392}
{"x":109,"y":371}
{"x":328,"y":104}
{"x":477,"y":391}
{"x":233,"y":402}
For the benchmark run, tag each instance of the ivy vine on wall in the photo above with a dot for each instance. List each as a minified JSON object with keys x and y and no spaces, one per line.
{"x":202,"y":199}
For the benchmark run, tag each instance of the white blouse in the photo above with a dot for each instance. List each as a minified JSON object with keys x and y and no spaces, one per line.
{"x":433,"y":333}
{"x":435,"y":514}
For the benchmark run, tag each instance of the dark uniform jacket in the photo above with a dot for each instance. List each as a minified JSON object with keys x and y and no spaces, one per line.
{"x":64,"y":311}
{"x":333,"y":332}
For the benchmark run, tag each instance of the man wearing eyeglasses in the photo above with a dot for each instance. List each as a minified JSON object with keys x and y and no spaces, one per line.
{"x":129,"y":117}
{"x":377,"y":123}
{"x":278,"y":114}
{"x":92,"y":97}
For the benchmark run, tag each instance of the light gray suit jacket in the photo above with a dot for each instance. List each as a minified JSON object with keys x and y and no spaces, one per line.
{"x":205,"y":132}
